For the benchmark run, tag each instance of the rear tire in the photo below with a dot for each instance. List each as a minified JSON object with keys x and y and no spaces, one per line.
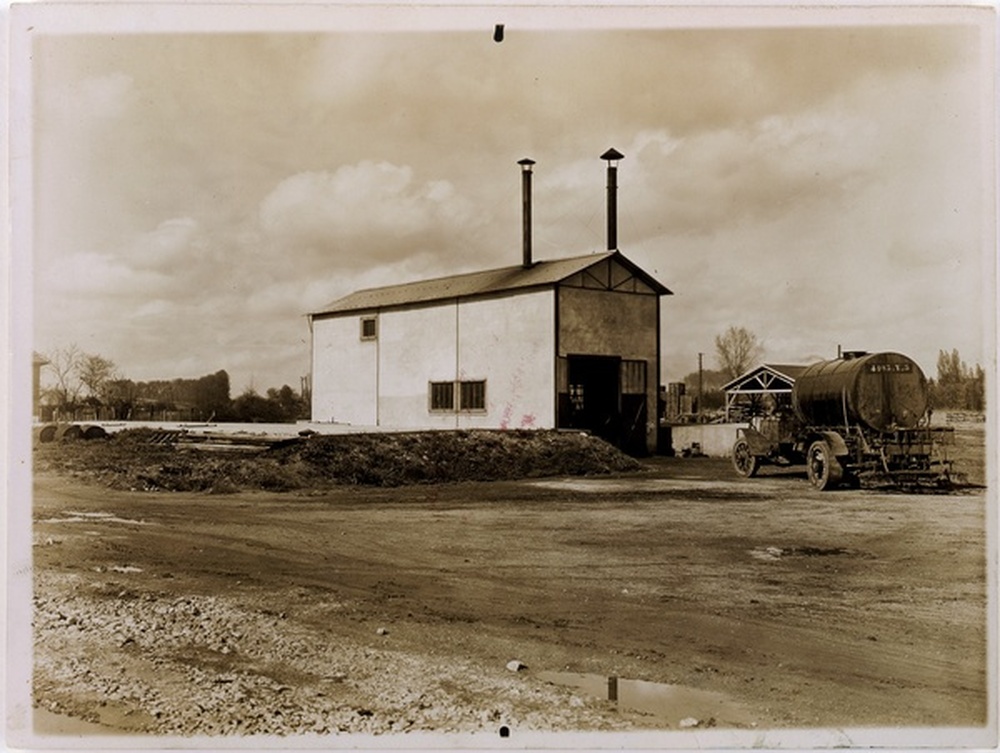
{"x":744,"y":461}
{"x":822,"y":466}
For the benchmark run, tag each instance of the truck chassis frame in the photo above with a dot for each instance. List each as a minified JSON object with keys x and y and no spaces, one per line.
{"x":847,"y":455}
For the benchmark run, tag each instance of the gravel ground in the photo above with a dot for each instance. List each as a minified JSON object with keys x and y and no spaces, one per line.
{"x":253,"y":671}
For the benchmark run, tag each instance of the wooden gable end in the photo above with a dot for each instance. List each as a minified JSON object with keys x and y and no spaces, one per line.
{"x":609,"y":275}
{"x":762,"y":380}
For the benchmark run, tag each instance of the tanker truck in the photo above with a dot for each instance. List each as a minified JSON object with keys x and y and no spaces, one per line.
{"x":861,"y":418}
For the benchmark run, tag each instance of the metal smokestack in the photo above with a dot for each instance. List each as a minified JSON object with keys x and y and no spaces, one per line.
{"x":612,"y":156}
{"x":526,"y":164}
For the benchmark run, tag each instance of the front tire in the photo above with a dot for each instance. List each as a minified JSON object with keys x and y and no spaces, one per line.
{"x":744,"y":461}
{"x":822,"y":466}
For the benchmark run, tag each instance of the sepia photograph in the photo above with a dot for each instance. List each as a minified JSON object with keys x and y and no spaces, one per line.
{"x":501,"y":377}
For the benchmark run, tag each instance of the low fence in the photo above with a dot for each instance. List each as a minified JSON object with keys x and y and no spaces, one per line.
{"x":712,"y":440}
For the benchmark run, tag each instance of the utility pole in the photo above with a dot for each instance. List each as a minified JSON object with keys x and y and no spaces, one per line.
{"x":700,"y":356}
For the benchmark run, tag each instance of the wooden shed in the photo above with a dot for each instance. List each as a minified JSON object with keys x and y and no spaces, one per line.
{"x":772,"y":382}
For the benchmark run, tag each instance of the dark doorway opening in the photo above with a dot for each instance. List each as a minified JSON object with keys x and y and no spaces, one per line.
{"x":593,"y":399}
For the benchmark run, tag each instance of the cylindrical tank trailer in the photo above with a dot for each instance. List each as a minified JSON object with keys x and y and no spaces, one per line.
{"x":880,"y":391}
{"x":860,"y":416}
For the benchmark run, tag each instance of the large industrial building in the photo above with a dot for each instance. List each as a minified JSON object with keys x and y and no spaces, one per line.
{"x":566,"y":343}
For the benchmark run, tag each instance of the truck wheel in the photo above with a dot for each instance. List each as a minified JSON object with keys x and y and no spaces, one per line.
{"x":744,"y":461}
{"x":822,"y":466}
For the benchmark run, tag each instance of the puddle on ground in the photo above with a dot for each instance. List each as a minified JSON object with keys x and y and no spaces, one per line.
{"x":596,"y":485}
{"x":73,"y":516}
{"x":776,"y":553}
{"x":679,"y":706}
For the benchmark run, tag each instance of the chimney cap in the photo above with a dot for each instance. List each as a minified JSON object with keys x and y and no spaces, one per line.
{"x":526,"y":162}
{"x":612,"y":154}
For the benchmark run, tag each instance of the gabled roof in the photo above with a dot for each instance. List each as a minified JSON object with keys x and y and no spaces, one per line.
{"x":768,"y":377}
{"x":487,"y":282}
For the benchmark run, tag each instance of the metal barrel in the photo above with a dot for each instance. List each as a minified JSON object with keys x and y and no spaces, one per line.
{"x":92,"y":431}
{"x":880,"y":391}
{"x":68,"y":431}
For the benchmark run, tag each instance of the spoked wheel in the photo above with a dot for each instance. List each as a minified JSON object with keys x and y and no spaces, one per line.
{"x":822,"y":466}
{"x":744,"y":461}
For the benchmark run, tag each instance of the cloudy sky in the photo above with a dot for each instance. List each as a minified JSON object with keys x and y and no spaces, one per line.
{"x":195,"y":195}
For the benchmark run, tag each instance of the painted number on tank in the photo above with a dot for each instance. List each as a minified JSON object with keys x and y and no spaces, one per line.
{"x":893,"y":368}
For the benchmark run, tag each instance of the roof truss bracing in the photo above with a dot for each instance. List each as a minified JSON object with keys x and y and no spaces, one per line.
{"x":765,"y":378}
{"x":763,"y":382}
{"x":609,"y":275}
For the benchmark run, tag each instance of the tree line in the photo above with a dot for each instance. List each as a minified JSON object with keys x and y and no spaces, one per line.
{"x":958,"y":386}
{"x":83,"y":386}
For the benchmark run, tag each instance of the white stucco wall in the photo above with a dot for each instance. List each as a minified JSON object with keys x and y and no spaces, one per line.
{"x":416,"y":346}
{"x":508,"y":341}
{"x":344,"y":372}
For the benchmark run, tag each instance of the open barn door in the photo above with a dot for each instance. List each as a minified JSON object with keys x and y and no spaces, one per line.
{"x":592,"y":400}
{"x":634,"y":408}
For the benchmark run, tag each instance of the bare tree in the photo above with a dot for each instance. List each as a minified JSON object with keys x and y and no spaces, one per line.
{"x":96,"y":372}
{"x":64,"y":365}
{"x":77,"y":375}
{"x":737,"y":349}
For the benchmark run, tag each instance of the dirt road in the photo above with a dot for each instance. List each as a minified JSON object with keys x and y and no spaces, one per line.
{"x":361,"y":610}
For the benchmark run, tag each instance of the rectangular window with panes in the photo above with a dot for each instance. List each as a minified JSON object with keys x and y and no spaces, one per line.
{"x":442,"y":397}
{"x":472,"y":395}
{"x":369,"y":328}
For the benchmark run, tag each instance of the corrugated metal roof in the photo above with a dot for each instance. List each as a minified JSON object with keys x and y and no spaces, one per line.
{"x":473,"y":284}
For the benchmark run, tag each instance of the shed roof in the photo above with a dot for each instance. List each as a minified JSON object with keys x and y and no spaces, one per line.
{"x":486,"y":282}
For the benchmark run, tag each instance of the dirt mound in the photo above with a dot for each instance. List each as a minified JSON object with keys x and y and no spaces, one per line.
{"x":132,"y":460}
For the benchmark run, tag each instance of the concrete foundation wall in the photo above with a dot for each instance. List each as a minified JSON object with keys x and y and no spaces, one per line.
{"x":715,"y":440}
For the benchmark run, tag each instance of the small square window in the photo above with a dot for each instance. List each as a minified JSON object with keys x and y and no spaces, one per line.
{"x":472,"y":395}
{"x":369,"y":328}
{"x":442,"y":396}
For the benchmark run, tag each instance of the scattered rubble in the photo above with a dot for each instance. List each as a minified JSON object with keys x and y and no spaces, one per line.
{"x":209,"y":665}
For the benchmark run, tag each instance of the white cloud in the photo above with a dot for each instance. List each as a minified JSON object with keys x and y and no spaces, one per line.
{"x":86,"y":274}
{"x":153,"y":309}
{"x":166,"y":247}
{"x":373,"y":210}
